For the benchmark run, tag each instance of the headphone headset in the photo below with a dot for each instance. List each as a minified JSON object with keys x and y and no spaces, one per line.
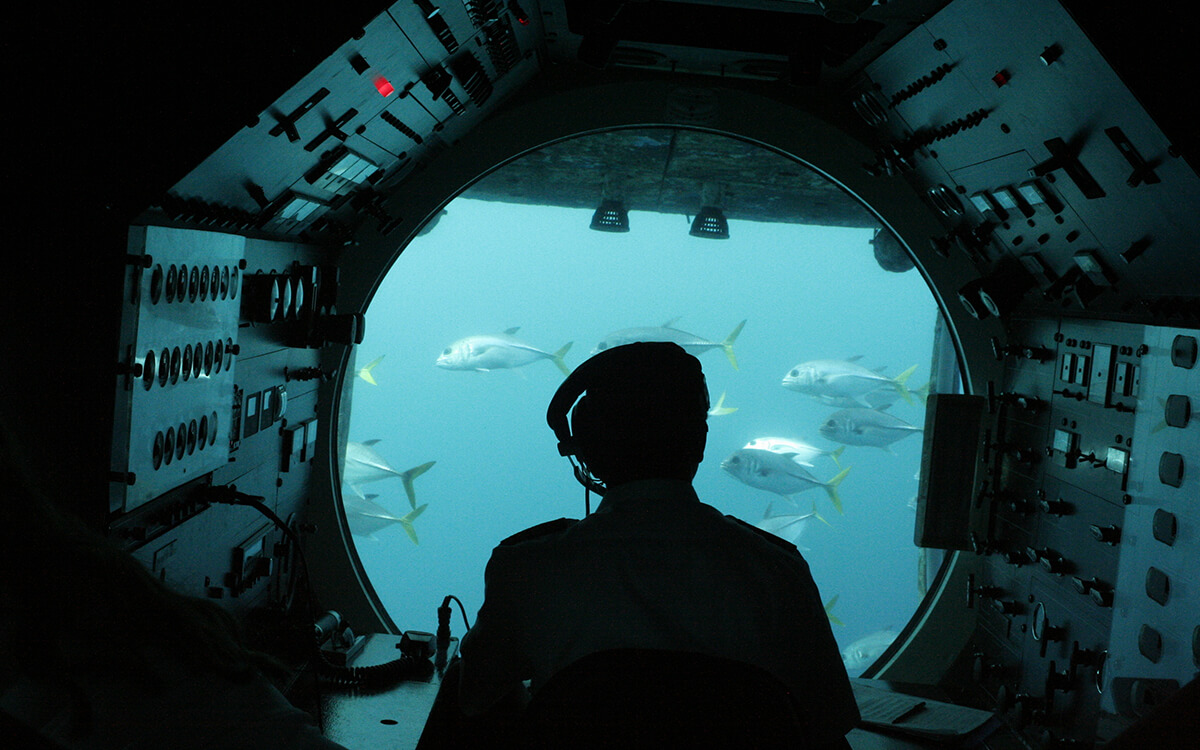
{"x":601,"y":368}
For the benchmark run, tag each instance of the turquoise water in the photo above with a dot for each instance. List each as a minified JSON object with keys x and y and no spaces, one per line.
{"x":806,"y":293}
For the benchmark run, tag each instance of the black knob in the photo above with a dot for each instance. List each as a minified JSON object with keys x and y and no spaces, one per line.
{"x":1027,"y":708}
{"x":1021,"y":506}
{"x":1015,"y":557}
{"x":1057,"y":507}
{"x":1008,"y":607}
{"x":1056,"y":564}
{"x":1085,"y":657}
{"x":1084,"y":585}
{"x":1106,"y":534}
{"x":1063,"y":682}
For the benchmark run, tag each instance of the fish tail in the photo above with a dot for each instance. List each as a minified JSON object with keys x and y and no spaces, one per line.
{"x":408,"y":476}
{"x":820,"y":517}
{"x":833,"y":619}
{"x":836,"y":453}
{"x":407,"y":522}
{"x":558,"y":358}
{"x":721,"y":409}
{"x":365,"y":373}
{"x":922,"y":393}
{"x":727,"y":344}
{"x":899,"y":382}
{"x":831,"y":489}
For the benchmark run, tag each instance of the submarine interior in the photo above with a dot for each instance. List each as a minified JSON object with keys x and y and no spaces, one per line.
{"x":260,"y":216}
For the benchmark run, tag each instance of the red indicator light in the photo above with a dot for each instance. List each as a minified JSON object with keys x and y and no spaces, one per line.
{"x":383,"y":86}
{"x":1001,"y":78}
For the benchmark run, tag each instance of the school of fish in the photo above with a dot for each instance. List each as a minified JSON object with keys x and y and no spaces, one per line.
{"x":782,"y":466}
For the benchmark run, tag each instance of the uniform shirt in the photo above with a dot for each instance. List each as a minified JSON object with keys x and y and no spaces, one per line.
{"x":654,"y":567}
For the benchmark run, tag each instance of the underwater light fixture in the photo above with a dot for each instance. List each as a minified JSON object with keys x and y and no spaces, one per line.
{"x":611,"y":216}
{"x":710,"y":224}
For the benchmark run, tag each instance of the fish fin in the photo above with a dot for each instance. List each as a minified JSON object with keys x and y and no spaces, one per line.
{"x":370,"y":443}
{"x":831,"y":489}
{"x":558,"y":358}
{"x":922,"y":393}
{"x":407,"y":522}
{"x":365,"y":372}
{"x":820,"y":517}
{"x":671,"y":323}
{"x":899,"y":382}
{"x":408,"y":476}
{"x":836,"y":453}
{"x":855,"y":358}
{"x":833,"y":619}
{"x":727,"y":344}
{"x":512,"y":331}
{"x":720,"y":409}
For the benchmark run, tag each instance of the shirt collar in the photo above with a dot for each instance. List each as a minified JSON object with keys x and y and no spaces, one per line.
{"x":623,"y":495}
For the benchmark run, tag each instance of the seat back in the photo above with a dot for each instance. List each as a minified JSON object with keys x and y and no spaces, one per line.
{"x":644,"y":698}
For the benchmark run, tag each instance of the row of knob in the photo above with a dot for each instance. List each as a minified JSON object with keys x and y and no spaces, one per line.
{"x":183,"y":283}
{"x":176,"y":442}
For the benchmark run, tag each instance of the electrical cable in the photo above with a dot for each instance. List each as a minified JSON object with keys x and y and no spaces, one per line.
{"x":461,"y":608}
{"x":229,"y":495}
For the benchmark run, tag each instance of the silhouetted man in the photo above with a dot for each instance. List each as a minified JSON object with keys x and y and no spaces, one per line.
{"x":653,"y":567}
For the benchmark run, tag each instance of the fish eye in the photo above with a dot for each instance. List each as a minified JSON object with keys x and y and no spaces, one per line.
{"x":446,"y":352}
{"x":831,"y":423}
{"x":735,"y":460}
{"x":602,"y":346}
{"x":794,"y":373}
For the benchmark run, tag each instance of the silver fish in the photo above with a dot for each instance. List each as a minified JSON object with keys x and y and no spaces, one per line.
{"x":690,"y":342}
{"x":778,"y":473}
{"x":500,"y":351}
{"x":789,"y":526}
{"x":366,"y":516}
{"x":363,"y":464}
{"x":863,"y":652}
{"x":842,"y":381}
{"x":800,"y":451}
{"x":866,"y":427}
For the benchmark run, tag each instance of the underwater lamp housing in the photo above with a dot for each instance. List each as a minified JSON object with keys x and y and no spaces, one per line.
{"x":611,"y":216}
{"x":710,"y":223}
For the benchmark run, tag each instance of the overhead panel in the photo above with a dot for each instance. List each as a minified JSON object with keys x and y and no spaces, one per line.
{"x":416,"y":78}
{"x":1033,"y":150}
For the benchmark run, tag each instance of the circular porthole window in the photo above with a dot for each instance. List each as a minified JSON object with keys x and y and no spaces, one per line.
{"x":778,"y":280}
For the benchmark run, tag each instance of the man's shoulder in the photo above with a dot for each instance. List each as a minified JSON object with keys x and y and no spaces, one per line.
{"x":545,"y":530}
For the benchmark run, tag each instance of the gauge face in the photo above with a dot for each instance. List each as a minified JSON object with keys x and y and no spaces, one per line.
{"x":472,"y":329}
{"x":1039,"y":621}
